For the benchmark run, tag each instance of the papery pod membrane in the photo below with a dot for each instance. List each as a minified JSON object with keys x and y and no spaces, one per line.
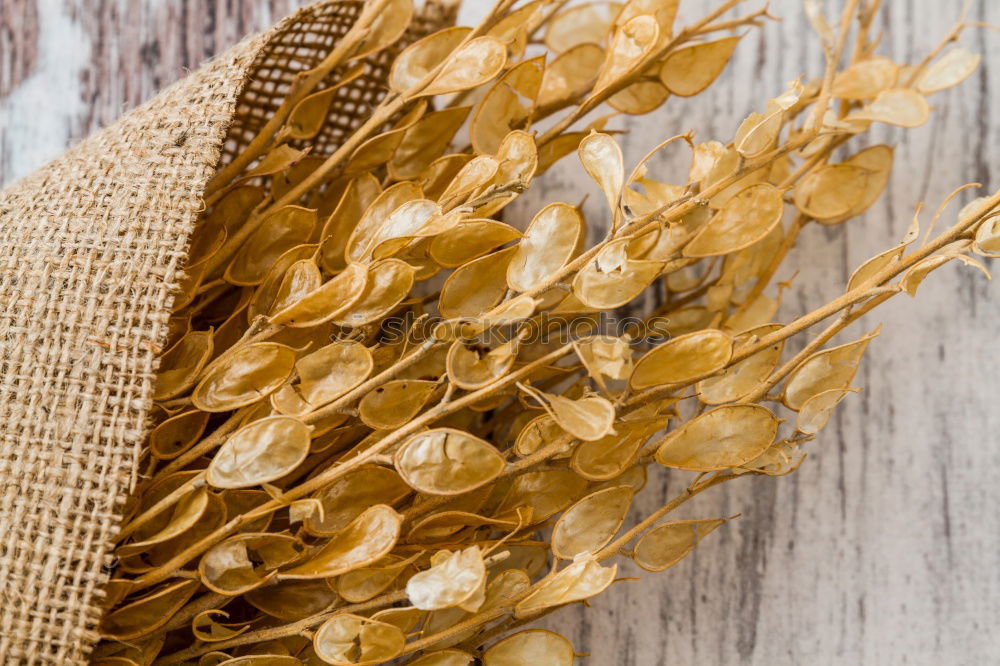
{"x":529,"y":559}
{"x":581,"y":580}
{"x":515,"y":28}
{"x":549,"y":243}
{"x":832,"y":368}
{"x":472,"y":366}
{"x":404,"y":226}
{"x":588,"y":418}
{"x":278,"y":233}
{"x":406,"y":619}
{"x":157,"y":491}
{"x":213,"y":518}
{"x":609,"y":456}
{"x":757,"y":134}
{"x":546,"y":493}
{"x":350,"y":495}
{"x":374,"y":152}
{"x":394,"y":403}
{"x":535,"y":646}
{"x":276,"y":160}
{"x":181,"y":365}
{"x":360,"y":243}
{"x":468,"y":66}
{"x":368,"y":582}
{"x":246,"y":561}
{"x":630,"y":44}
{"x":815,"y":412}
{"x":147,"y":613}
{"x":418,"y":59}
{"x":538,"y":432}
{"x":639,"y":98}
{"x":260,"y":452}
{"x":588,"y":22}
{"x":745,"y":219}
{"x":949,"y":70}
{"x":263,"y":295}
{"x":449,"y":657}
{"x":475,"y":174}
{"x":501,"y":109}
{"x":902,"y":107}
{"x":185,"y":514}
{"x":452,"y":580}
{"x":445,"y":461}
{"x":740,"y":378}
{"x":324,"y":375}
{"x":206,"y":628}
{"x":310,"y":114}
{"x":601,"y":157}
{"x":469,"y":240}
{"x":347,"y":639}
{"x":243,"y":377}
{"x":389,"y":282}
{"x":605,"y":357}
{"x":665,"y":545}
{"x":425,"y":140}
{"x":301,"y":278}
{"x":987,"y":242}
{"x":863,"y":274}
{"x":177,"y":434}
{"x":477,"y":286}
{"x":832,"y":190}
{"x":689,"y":71}
{"x":613,"y":278}
{"x":877,"y":160}
{"x":591,"y":522}
{"x":359,"y":194}
{"x":664,"y":11}
{"x":366,"y":540}
{"x":865,"y":79}
{"x":260,"y":660}
{"x":293,"y":600}
{"x":327,"y":301}
{"x":443,"y":524}
{"x":569,"y":75}
{"x":682,"y":359}
{"x":915,"y":276}
{"x":721,"y":438}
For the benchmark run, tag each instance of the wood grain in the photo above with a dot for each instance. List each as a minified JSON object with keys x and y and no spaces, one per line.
{"x":884,"y":548}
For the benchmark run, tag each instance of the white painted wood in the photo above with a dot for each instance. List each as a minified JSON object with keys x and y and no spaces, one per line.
{"x":884,"y":548}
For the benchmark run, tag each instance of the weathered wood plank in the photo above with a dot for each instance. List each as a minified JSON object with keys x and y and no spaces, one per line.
{"x":885,"y":547}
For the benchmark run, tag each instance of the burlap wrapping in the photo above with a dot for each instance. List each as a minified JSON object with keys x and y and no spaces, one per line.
{"x":91,"y":249}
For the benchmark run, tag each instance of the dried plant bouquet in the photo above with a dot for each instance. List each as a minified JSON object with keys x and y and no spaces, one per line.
{"x":392,"y":422}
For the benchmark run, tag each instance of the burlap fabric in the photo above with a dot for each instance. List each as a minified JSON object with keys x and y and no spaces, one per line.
{"x":91,"y":249}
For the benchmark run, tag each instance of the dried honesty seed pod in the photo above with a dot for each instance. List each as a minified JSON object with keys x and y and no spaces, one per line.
{"x":445,"y":461}
{"x":387,"y":403}
{"x":723,"y":437}
{"x":367,"y":539}
{"x":243,"y":377}
{"x":260,"y":452}
{"x":530,"y":647}
{"x":665,"y":545}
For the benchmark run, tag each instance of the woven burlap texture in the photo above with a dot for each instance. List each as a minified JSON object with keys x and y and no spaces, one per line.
{"x":91,"y":250}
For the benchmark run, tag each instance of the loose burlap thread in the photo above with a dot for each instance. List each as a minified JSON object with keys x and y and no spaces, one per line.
{"x":92,"y":249}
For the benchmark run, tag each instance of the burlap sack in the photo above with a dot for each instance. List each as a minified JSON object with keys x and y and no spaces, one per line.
{"x":91,"y":249}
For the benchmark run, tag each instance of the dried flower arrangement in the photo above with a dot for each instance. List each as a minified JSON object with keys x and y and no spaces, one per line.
{"x":366,"y":450}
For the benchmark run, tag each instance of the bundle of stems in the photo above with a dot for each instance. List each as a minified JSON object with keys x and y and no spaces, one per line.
{"x":392,"y":423}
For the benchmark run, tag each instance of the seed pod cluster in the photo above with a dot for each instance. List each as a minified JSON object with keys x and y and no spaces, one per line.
{"x":365,"y":450}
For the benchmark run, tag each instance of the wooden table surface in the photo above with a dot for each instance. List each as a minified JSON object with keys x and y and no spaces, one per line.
{"x":884,"y":548}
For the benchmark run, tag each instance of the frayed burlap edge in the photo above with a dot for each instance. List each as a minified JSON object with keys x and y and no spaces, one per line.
{"x":91,"y":251}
